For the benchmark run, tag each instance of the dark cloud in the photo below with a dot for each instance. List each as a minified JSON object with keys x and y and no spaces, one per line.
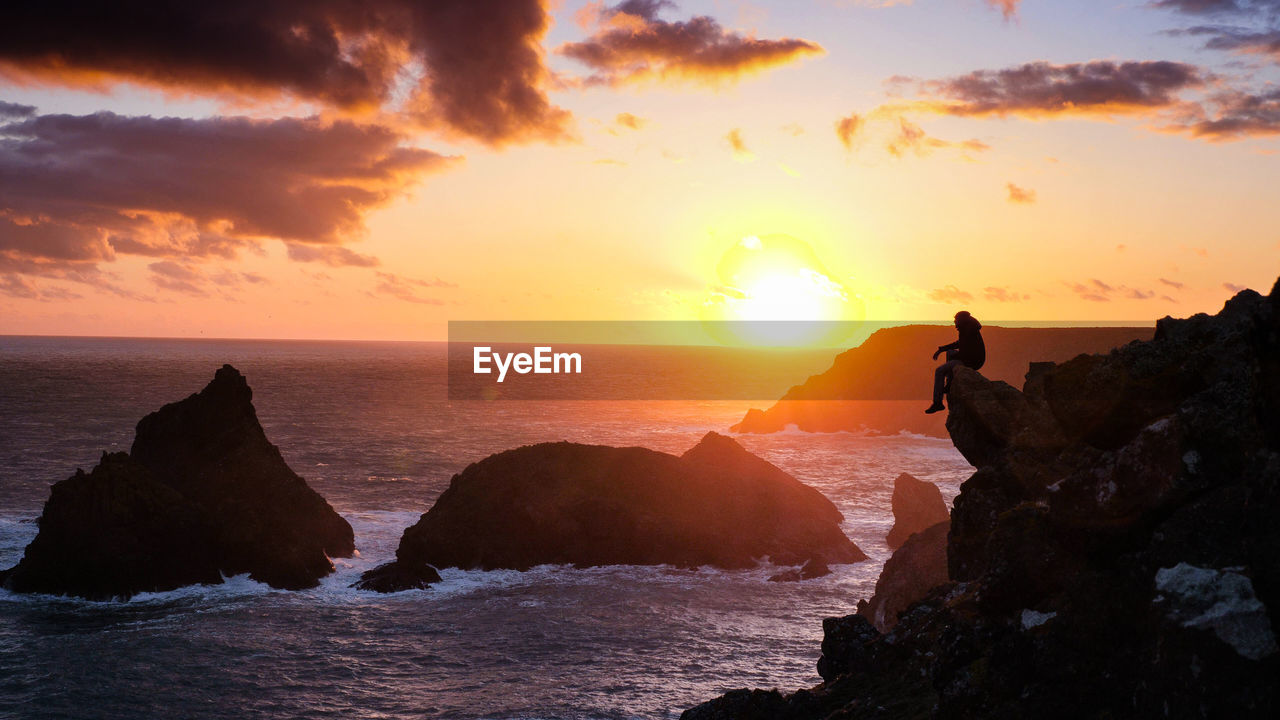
{"x":14,"y":110}
{"x":1243,"y":41}
{"x":1043,"y":89}
{"x":82,"y":189}
{"x":1218,"y":7}
{"x":1232,"y":115}
{"x":1020,"y":195}
{"x":473,"y":67}
{"x":847,"y":129}
{"x":950,"y":294}
{"x":631,"y":43}
{"x":1172,"y":283}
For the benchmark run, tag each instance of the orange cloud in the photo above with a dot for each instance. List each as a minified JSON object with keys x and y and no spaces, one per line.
{"x":847,"y":129}
{"x":632,"y":43}
{"x":1021,"y":195}
{"x":912,"y":138}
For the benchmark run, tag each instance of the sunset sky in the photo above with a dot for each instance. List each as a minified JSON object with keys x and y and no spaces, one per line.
{"x":333,"y":169}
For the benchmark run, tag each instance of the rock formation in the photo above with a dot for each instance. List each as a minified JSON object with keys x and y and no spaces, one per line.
{"x":915,"y":568}
{"x":201,"y":494}
{"x":588,"y":505}
{"x":1116,"y":554}
{"x":917,"y":505}
{"x":879,"y":386}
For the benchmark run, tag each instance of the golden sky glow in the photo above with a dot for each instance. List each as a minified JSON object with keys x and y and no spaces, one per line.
{"x":1026,"y":161}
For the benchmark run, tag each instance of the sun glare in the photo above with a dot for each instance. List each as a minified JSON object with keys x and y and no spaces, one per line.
{"x":777,"y":292}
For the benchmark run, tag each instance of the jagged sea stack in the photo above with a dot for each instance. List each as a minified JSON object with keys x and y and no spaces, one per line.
{"x":201,"y":494}
{"x":588,"y":505}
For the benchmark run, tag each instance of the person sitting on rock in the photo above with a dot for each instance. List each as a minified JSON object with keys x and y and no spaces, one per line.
{"x":969,"y":351}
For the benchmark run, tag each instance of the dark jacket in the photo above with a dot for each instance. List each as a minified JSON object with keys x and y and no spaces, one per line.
{"x":972,"y":351}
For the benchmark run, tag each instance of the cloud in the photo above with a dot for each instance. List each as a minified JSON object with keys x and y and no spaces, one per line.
{"x":1214,"y":7}
{"x":629,"y":121}
{"x":950,"y":294}
{"x":912,"y":138}
{"x":1020,"y":195}
{"x":468,"y":67}
{"x":1042,"y":89}
{"x":1232,"y":287}
{"x":1009,"y":8}
{"x":1098,"y":291}
{"x":632,"y":44}
{"x":847,"y":129}
{"x":1172,"y":283}
{"x":16,"y":286}
{"x":1242,"y":41}
{"x":14,"y":110}
{"x":405,"y":288}
{"x":739,"y":146}
{"x":82,"y":189}
{"x":1003,"y":295}
{"x":177,"y":277}
{"x":331,"y":255}
{"x":1231,"y":115}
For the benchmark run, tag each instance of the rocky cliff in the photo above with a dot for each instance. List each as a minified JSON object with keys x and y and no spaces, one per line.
{"x":1115,"y":554}
{"x":587,"y":505}
{"x":201,"y":494}
{"x":884,"y":384}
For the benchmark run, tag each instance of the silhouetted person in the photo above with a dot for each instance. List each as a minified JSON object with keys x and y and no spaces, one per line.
{"x":969,"y":350}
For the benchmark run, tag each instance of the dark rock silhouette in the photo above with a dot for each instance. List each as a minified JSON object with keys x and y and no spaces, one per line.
{"x":588,"y":505}
{"x":1116,"y":554}
{"x":201,"y":494}
{"x":917,"y":505}
{"x":395,"y":577}
{"x":915,"y":568}
{"x":879,"y":385}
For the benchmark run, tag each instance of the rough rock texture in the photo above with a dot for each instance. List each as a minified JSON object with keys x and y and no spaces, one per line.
{"x":884,"y":384}
{"x":917,"y":505}
{"x":1116,"y":554}
{"x":201,"y":494}
{"x":916,"y":567}
{"x":587,"y":505}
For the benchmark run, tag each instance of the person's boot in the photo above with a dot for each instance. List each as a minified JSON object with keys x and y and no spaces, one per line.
{"x":936,"y":407}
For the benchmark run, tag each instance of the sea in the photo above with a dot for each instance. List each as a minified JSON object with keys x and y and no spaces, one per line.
{"x":370,"y":426}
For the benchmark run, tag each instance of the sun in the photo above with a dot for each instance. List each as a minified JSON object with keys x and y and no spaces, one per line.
{"x":773,"y":290}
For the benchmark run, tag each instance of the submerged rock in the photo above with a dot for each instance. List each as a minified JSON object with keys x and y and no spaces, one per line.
{"x":589,"y":505}
{"x":395,"y":577}
{"x":1116,"y":553}
{"x":917,"y":505}
{"x":201,"y":494}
